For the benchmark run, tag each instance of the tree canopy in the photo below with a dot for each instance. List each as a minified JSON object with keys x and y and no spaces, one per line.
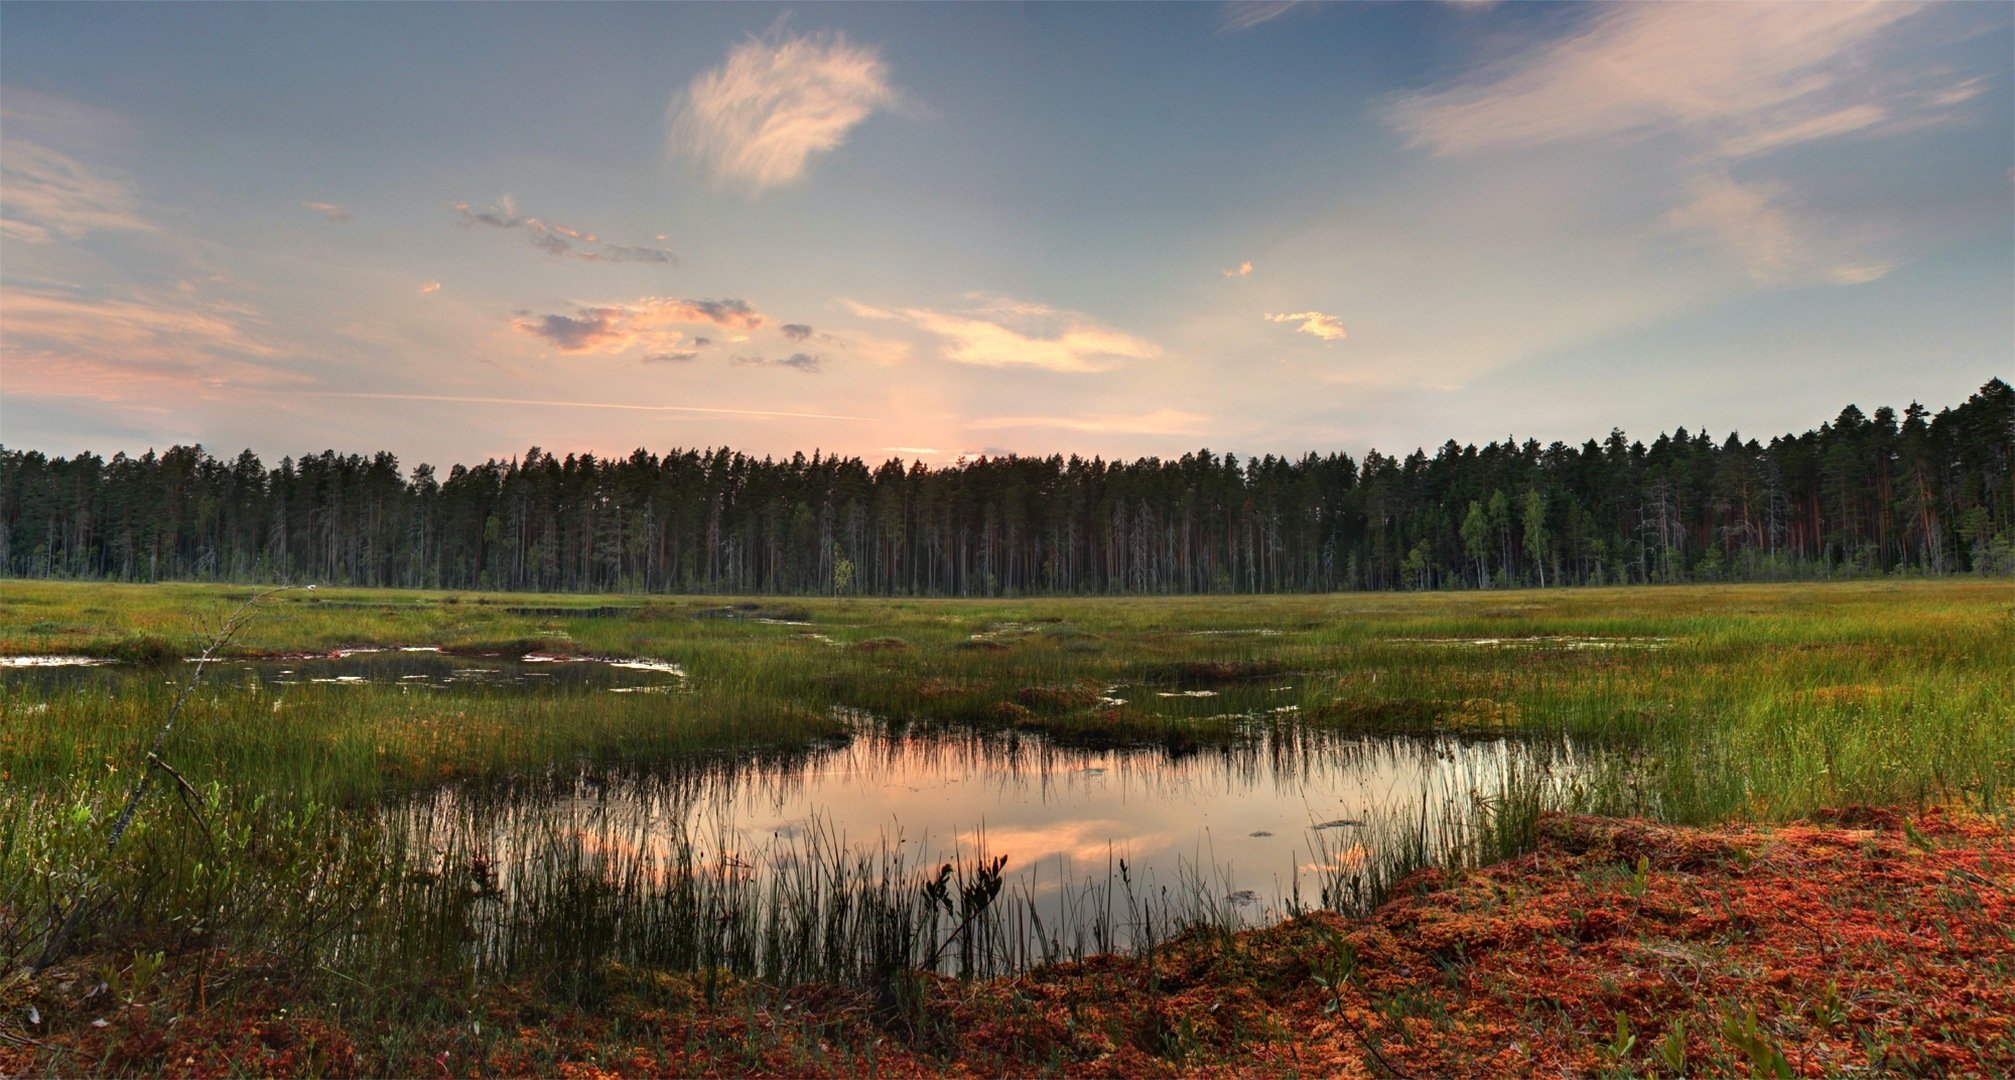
{"x":1862,"y":494}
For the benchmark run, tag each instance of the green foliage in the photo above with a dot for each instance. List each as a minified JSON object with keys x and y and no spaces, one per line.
{"x":1861,"y":496}
{"x":1746,"y":1034}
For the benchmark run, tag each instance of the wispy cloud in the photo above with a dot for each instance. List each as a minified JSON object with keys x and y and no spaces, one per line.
{"x":143,"y":344}
{"x":1239,"y":15}
{"x":795,"y":331}
{"x":330,"y":211}
{"x":1738,"y":78}
{"x":756,"y":121}
{"x":1158,"y":422}
{"x":1243,"y":269}
{"x":1003,"y":332}
{"x":1774,"y":242}
{"x":1705,"y":87}
{"x":805,"y":362}
{"x":556,"y":239}
{"x":427,"y":287}
{"x":45,"y":194}
{"x":563,"y":404}
{"x":650,"y":323}
{"x":1315,"y":323}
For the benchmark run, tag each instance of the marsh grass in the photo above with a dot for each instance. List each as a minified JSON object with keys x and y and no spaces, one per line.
{"x":1692,"y":705}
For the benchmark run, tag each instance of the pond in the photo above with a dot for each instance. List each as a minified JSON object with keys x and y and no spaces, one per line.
{"x":1100,"y":847}
{"x":1089,"y":849}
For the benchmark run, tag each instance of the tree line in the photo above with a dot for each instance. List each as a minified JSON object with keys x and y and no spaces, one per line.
{"x":1863,"y":494}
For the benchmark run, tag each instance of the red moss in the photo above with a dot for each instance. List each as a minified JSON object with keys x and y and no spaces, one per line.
{"x":1866,"y":940}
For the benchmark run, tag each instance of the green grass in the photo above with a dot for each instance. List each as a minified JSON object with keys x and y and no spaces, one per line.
{"x":1690,"y":704}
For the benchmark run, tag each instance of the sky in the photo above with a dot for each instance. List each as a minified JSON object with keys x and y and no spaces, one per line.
{"x":457,"y":231}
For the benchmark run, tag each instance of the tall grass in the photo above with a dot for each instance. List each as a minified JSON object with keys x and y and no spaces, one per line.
{"x":355,"y":828}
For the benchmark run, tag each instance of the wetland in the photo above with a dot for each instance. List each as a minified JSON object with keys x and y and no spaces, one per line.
{"x":458,"y":793}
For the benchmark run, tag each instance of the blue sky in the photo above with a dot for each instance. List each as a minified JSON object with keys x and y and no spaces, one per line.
{"x":456,"y":231}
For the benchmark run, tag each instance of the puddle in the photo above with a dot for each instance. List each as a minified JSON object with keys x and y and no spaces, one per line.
{"x":1559,"y":641}
{"x":409,"y":668}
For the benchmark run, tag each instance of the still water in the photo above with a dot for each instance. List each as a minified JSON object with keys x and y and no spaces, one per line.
{"x":1290,"y":814}
{"x":1237,"y":835}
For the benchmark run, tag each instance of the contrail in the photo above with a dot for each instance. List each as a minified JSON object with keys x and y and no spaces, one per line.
{"x":572,"y":404}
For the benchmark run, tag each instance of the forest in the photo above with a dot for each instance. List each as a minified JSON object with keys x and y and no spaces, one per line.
{"x":1863,"y":494}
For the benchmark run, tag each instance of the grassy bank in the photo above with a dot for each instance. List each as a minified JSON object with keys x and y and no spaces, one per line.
{"x":1756,"y":702}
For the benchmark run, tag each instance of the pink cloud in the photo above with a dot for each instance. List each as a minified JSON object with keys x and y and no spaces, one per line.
{"x":652,"y":323}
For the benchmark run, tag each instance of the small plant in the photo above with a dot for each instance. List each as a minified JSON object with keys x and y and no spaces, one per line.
{"x":1672,"y":1048}
{"x":1640,"y":880}
{"x":1830,"y":1011}
{"x":1619,"y":1047}
{"x":1748,"y":1036}
{"x":131,"y":984}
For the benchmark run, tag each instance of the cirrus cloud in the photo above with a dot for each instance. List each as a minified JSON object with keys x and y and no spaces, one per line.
{"x":1775,"y":243}
{"x":1158,"y":422}
{"x":548,"y":236}
{"x":45,"y":194}
{"x":757,"y":121}
{"x":1742,"y":78}
{"x":1003,"y":332}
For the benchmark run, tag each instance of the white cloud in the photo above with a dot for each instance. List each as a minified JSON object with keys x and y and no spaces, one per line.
{"x":1775,"y":243}
{"x":1158,"y":422}
{"x":756,"y":121}
{"x":1003,"y":332}
{"x":45,"y":193}
{"x":1243,"y":269}
{"x":1314,"y":323}
{"x":429,"y":287}
{"x":1738,"y":77}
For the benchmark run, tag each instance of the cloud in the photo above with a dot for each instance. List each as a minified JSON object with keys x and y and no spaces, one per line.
{"x":681,"y":356}
{"x":1243,"y":269}
{"x":1739,"y":78}
{"x":795,"y":331}
{"x":556,"y":239}
{"x":329,"y":211}
{"x":45,"y":193}
{"x":1002,"y":332}
{"x":756,"y":121}
{"x":1158,"y":422}
{"x":804,"y":362}
{"x":535,"y":402}
{"x":1326,"y":327}
{"x":702,"y":342}
{"x":650,"y":322}
{"x":142,"y":344}
{"x":1706,"y":87}
{"x":1239,"y":15}
{"x":429,"y":287}
{"x":1776,"y":245}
